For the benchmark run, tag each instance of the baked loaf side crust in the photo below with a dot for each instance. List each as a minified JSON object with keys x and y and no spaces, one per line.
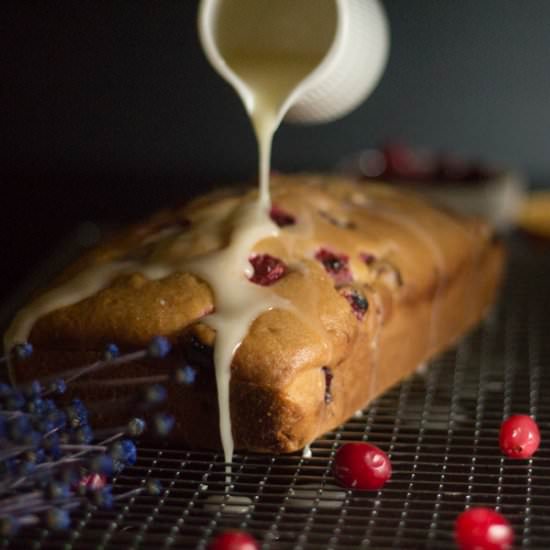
{"x":426,"y":275}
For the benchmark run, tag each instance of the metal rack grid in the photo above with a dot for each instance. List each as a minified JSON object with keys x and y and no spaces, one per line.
{"x":440,"y":428}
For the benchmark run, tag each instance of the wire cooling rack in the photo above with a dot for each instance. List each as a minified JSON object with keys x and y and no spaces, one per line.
{"x":440,"y":428}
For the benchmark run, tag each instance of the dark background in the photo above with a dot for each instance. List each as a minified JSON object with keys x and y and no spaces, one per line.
{"x":108,"y":109}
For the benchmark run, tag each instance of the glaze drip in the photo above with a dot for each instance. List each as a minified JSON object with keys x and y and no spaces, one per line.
{"x":238,"y":301}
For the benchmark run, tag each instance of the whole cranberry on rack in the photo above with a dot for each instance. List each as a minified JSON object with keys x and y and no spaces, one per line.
{"x":234,"y":540}
{"x":483,"y":529}
{"x":361,"y":466}
{"x":519,"y":436}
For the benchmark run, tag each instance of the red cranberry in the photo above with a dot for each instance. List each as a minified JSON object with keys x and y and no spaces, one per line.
{"x":280,"y":217}
{"x":519,"y":436}
{"x":403,"y":162}
{"x":357,"y":301}
{"x":93,"y":481}
{"x":483,"y":529}
{"x":327,"y":371}
{"x":480,"y":172}
{"x":361,"y":466}
{"x":267,"y":269}
{"x":368,"y":258}
{"x":336,"y":265}
{"x":400,"y":161}
{"x":234,"y":540}
{"x":452,"y":168}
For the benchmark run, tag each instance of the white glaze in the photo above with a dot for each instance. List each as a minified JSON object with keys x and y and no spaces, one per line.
{"x":85,"y":284}
{"x":238,"y":302}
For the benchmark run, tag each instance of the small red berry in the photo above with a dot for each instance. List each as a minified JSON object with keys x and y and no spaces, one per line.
{"x":359,"y":304}
{"x":361,"y":466}
{"x":329,"y":375}
{"x":336,"y":265}
{"x":403,"y":162}
{"x":452,"y":168}
{"x":280,"y":217}
{"x":483,"y":529}
{"x":519,"y":436}
{"x":234,"y":540}
{"x":267,"y":269}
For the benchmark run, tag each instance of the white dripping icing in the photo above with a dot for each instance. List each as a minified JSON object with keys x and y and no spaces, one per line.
{"x":267,"y":82}
{"x":83,"y":285}
{"x":306,"y":453}
{"x":238,"y":302}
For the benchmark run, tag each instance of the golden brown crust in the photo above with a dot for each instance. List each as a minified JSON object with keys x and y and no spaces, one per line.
{"x":427,"y":275}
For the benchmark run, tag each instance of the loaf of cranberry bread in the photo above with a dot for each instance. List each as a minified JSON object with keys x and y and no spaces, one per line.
{"x":373,"y":281}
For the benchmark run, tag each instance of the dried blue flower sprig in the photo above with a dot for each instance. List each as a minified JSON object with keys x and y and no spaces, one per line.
{"x":51,"y":461}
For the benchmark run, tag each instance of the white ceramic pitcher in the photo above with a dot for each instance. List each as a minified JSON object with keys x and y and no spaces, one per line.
{"x":356,"y":49}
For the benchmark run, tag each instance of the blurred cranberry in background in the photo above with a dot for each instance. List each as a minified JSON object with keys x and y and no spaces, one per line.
{"x":465,"y":185}
{"x":396,"y":161}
